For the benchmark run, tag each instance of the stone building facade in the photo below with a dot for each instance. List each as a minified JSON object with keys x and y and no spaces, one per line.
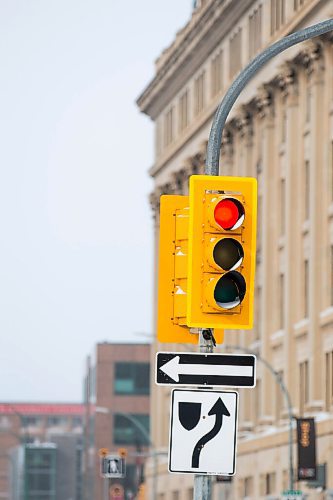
{"x":280,"y":131}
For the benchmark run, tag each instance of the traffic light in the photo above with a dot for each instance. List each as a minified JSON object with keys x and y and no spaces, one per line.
{"x":221,"y":251}
{"x":122,"y":452}
{"x":102,"y":452}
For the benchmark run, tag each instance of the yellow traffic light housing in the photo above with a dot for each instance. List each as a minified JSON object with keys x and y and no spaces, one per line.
{"x":172,"y":323}
{"x":221,"y":252}
{"x":172,"y":276}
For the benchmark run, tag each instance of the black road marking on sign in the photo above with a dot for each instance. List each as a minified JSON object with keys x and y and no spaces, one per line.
{"x":219,"y":409}
{"x":189,"y":414}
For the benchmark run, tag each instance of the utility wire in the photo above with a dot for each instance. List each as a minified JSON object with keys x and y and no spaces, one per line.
{"x":215,"y":136}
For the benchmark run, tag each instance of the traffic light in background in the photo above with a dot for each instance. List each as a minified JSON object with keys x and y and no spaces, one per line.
{"x":221,"y":251}
{"x":122,"y":452}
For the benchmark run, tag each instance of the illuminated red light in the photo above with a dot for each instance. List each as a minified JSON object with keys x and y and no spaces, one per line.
{"x":229,"y":213}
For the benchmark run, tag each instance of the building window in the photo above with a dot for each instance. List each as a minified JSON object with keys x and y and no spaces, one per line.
{"x":259,"y":228}
{"x":298,"y":4}
{"x":284,"y":123}
{"x":331,"y":275}
{"x":39,"y":481}
{"x":277,"y":15}
{"x":270,"y":480}
{"x":4,"y":423}
{"x":126,"y":432}
{"x":190,"y":493}
{"x":330,"y":166}
{"x":56,"y":421}
{"x":183,"y":111}
{"x":199,"y":93}
{"x":168,"y":127}
{"x":77,"y":422}
{"x":248,"y":487}
{"x":303,"y":386}
{"x":308,"y":101}
{"x":329,"y":380}
{"x":132,"y":378}
{"x":158,"y":136}
{"x":257,"y":402}
{"x":278,"y":398}
{"x":281,"y":301}
{"x":31,"y":421}
{"x":282,"y":207}
{"x":255,"y":31}
{"x":306,"y":288}
{"x":307,"y":189}
{"x":258,"y":312}
{"x":235,"y":53}
{"x":216,"y":73}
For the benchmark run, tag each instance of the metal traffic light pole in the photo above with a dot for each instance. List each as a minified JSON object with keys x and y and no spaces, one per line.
{"x":202,"y":484}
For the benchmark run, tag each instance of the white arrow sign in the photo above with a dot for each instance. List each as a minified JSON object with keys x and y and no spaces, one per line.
{"x":203,"y":432}
{"x":205,"y":369}
{"x":173,"y":369}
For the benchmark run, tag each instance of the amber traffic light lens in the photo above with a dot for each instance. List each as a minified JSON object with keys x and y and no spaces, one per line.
{"x":230,"y":290}
{"x":228,"y":254}
{"x":229,"y":213}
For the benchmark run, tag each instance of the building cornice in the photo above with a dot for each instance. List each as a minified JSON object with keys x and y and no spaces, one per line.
{"x":309,"y":54}
{"x":189,"y":51}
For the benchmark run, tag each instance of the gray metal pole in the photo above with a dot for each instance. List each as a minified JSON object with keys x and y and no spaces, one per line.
{"x":106,"y":489}
{"x":203,"y":483}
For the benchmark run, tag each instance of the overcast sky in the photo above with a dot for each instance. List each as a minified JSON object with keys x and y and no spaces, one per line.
{"x":76,"y":227}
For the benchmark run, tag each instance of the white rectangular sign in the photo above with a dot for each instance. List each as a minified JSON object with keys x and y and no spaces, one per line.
{"x":203,"y":430}
{"x":200,"y":369}
{"x":113,"y":466}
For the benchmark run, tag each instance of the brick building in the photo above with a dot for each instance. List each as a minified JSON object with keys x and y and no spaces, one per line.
{"x":33,"y":422}
{"x":116,"y":385}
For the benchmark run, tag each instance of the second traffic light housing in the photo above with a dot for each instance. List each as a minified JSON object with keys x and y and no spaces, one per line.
{"x":221,"y":251}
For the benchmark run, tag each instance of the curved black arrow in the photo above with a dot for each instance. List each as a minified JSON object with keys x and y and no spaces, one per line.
{"x":219,"y":409}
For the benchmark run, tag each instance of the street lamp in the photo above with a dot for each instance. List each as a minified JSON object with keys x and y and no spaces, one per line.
{"x":144,"y":432}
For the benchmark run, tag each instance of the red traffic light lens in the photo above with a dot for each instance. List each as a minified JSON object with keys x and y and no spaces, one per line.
{"x":229,"y":213}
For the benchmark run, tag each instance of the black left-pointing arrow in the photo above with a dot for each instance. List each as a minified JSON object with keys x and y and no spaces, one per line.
{"x":219,"y":409}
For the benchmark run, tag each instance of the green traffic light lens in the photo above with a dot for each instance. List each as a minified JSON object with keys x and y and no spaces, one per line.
{"x":230,"y":290}
{"x":228,"y":254}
